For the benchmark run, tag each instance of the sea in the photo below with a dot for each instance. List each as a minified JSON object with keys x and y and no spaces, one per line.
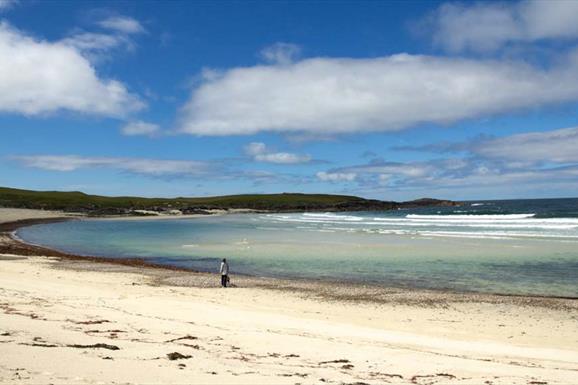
{"x":519,"y":247}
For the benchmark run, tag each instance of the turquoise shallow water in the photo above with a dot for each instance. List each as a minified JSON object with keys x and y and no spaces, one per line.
{"x":502,"y":247}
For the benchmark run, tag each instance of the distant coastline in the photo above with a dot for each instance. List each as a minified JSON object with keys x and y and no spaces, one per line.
{"x":95,"y":205}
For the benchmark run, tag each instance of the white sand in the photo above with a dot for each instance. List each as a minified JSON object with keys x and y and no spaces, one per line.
{"x":10,"y":215}
{"x":261,"y":336}
{"x":264,"y":336}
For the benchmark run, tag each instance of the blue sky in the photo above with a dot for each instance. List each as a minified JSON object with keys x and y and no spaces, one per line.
{"x":388,"y":100}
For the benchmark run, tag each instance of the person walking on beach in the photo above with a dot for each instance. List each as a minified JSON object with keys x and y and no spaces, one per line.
{"x":224,"y":270}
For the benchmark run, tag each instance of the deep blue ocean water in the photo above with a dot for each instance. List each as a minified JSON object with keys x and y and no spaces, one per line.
{"x":508,"y":247}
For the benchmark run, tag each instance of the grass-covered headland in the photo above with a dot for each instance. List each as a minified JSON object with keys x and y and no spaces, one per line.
{"x":75,"y":201}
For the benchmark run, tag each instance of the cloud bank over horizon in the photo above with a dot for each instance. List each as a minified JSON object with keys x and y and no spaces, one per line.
{"x":221,"y":170}
{"x":150,"y":167}
{"x":534,"y":158}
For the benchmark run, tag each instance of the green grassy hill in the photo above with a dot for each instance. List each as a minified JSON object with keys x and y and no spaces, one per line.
{"x":80,"y":202}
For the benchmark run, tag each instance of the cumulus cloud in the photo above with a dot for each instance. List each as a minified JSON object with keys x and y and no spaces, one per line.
{"x":123,"y":24}
{"x":151,"y":167}
{"x":39,"y":77}
{"x":140,"y":128}
{"x":325,"y":96}
{"x":260,"y":153}
{"x":281,"y":53}
{"x":487,"y":26}
{"x":336,"y":176}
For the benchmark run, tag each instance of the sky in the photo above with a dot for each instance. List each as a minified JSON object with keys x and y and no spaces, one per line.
{"x":386,"y":100}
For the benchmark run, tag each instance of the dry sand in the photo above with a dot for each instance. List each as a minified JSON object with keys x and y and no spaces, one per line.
{"x":73,"y":321}
{"x":11,"y":215}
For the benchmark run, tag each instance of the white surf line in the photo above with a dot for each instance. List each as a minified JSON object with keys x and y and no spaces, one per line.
{"x":498,"y":225}
{"x":472,"y":216}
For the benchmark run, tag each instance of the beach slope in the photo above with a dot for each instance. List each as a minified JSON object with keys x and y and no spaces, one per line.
{"x":73,"y":321}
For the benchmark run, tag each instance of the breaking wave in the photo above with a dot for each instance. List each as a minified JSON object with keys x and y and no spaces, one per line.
{"x":472,"y":216}
{"x":496,"y":226}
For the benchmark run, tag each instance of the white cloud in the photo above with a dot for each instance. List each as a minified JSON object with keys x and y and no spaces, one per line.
{"x":283,"y":158}
{"x":510,"y":178}
{"x":558,"y":146}
{"x":413,"y":170}
{"x":330,"y":96}
{"x":281,"y":53}
{"x":259,"y":152}
{"x":519,"y":150}
{"x":89,"y":42}
{"x":140,"y":128}
{"x":39,"y":77}
{"x":452,"y":174}
{"x":336,"y":176}
{"x":151,"y":167}
{"x":94,"y":44}
{"x":532,"y":161}
{"x":255,"y":148}
{"x":217,"y":170}
{"x":487,"y":26}
{"x":122,"y":24}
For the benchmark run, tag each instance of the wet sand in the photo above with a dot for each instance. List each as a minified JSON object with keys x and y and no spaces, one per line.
{"x":71,"y":319}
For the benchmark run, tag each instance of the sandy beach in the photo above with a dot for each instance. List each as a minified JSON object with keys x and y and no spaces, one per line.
{"x":72,"y":320}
